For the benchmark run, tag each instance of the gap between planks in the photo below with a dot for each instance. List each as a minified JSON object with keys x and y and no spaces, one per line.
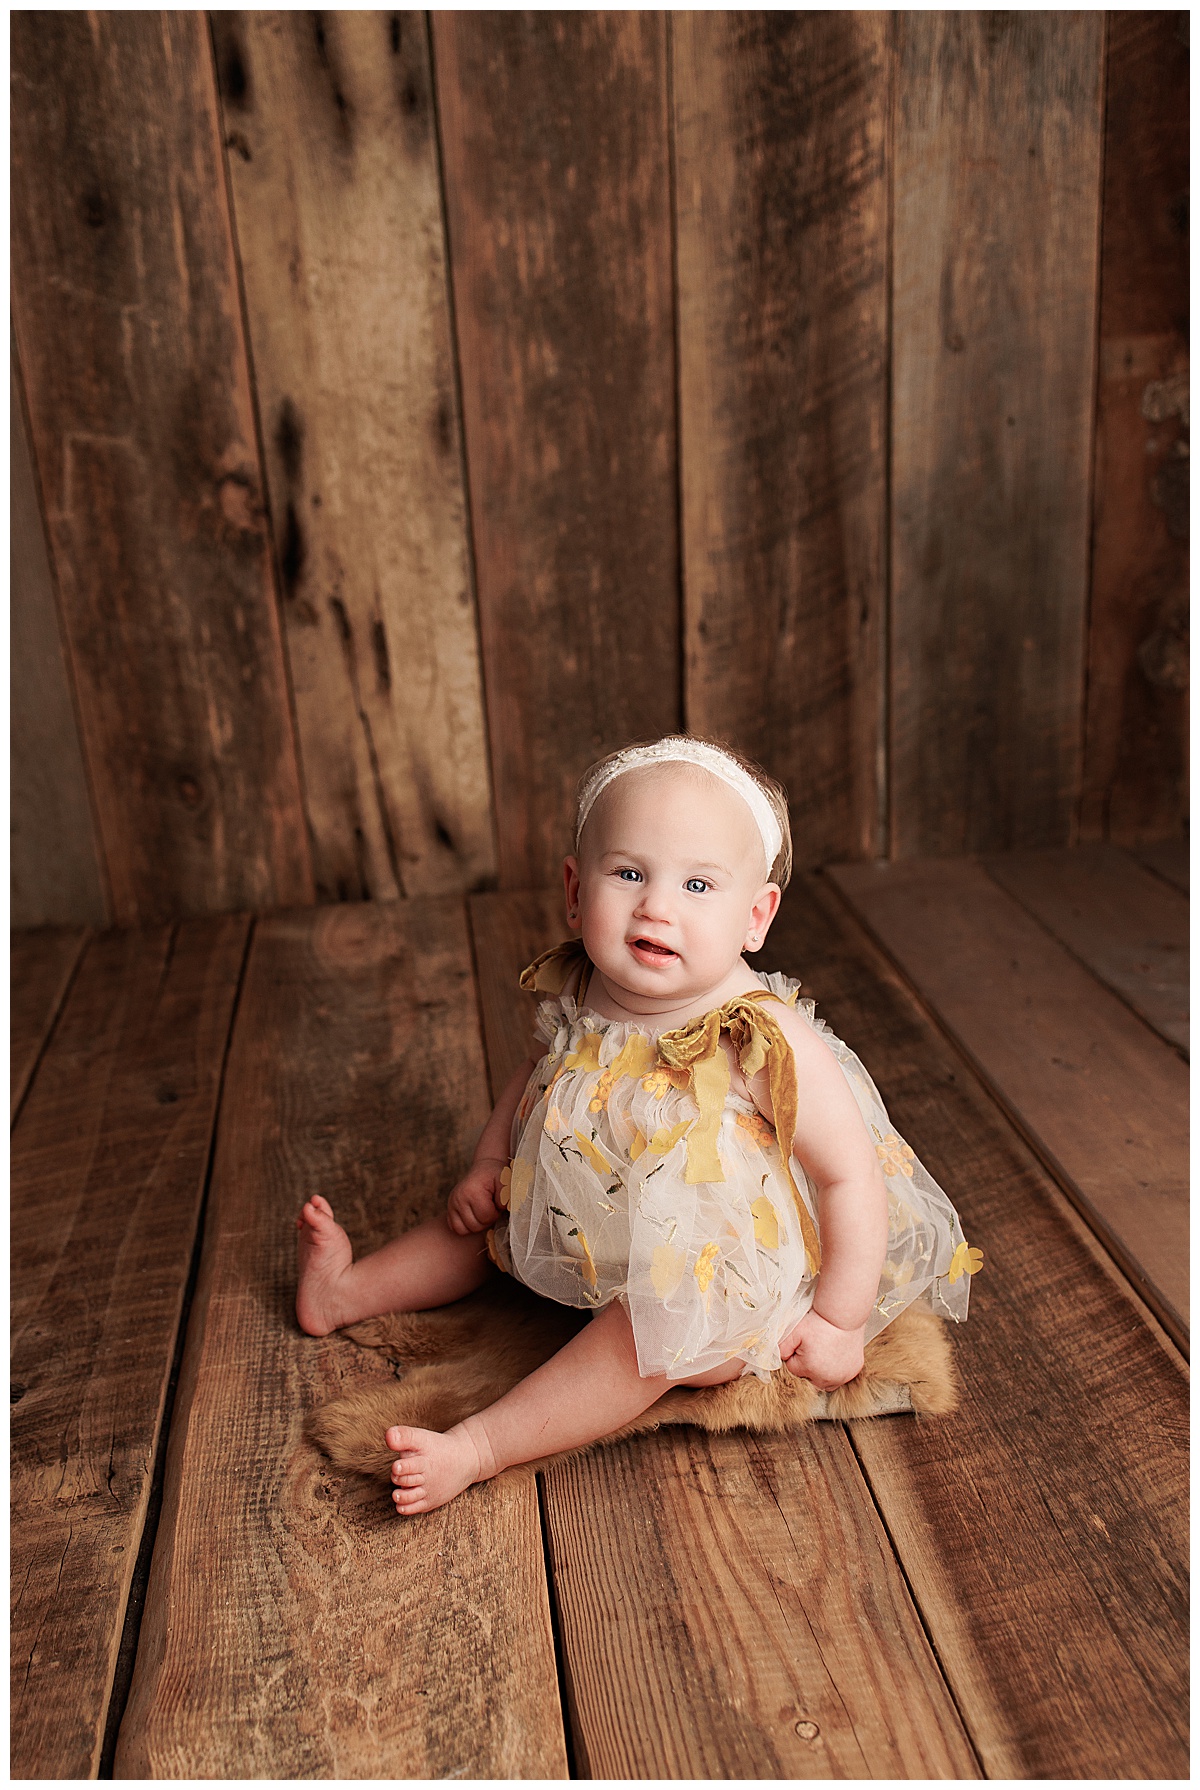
{"x":108,"y":1167}
{"x":356,"y":1071}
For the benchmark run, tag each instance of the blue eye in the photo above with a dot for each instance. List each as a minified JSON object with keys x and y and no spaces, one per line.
{"x":628,"y":875}
{"x":696,"y":885}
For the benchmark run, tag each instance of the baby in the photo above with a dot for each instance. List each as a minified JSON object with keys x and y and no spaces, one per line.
{"x":695,"y":1157}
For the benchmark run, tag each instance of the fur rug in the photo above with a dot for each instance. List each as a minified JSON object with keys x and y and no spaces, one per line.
{"x":462,"y":1357}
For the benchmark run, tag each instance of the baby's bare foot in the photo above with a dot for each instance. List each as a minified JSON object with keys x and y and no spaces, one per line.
{"x":324,"y":1254}
{"x":433,"y":1467}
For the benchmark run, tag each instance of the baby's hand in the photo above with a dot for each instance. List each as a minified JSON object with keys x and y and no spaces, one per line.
{"x":475,"y":1203}
{"x":817,"y":1350}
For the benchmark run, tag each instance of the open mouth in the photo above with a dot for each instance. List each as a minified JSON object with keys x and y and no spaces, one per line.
{"x":650,"y":951}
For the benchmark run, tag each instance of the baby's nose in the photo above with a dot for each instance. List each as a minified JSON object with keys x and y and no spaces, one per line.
{"x":655,"y":903}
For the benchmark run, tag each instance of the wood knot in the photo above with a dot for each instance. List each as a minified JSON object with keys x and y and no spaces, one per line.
{"x":807,"y":1730}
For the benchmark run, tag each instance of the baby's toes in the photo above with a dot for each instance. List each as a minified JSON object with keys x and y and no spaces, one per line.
{"x":409,"y":1502}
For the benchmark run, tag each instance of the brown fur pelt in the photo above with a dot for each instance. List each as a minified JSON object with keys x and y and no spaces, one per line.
{"x":476,"y":1350}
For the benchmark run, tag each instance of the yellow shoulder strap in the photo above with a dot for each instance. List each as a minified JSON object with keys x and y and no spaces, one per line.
{"x":760,"y":1042}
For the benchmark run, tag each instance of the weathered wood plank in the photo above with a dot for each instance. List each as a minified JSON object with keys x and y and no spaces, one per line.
{"x":997,"y":184}
{"x":731,"y":1608}
{"x":555,"y":150}
{"x":1135,"y":751}
{"x":714,"y":1592}
{"x":332,"y":152}
{"x":1168,"y":858}
{"x":54,"y":871}
{"x":781,"y":123}
{"x":41,"y":964}
{"x":1099,"y":1097}
{"x":335,"y":1640}
{"x":127,"y":317}
{"x":1043,"y":1528}
{"x":1123,"y":922}
{"x":108,"y":1167}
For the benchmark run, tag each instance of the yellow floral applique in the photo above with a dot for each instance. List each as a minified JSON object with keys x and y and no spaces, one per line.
{"x":637,"y":1147}
{"x":515,"y":1182}
{"x":706,"y":1266}
{"x":587,"y":1056}
{"x":636,"y":1057}
{"x":666,"y":1269}
{"x":758,"y":1130}
{"x":601,"y":1092}
{"x":554,"y":1120}
{"x":661,"y":1079}
{"x":895,"y":1155}
{"x":665,"y":1139}
{"x":766,"y":1222}
{"x":899,"y":1273}
{"x":591,"y":1278}
{"x":593,"y":1155}
{"x":964,"y":1261}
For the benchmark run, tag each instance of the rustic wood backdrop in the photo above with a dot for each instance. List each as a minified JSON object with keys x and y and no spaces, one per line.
{"x":409,"y":407}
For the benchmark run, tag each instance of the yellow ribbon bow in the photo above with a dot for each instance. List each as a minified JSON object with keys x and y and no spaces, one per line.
{"x":759,"y":1041}
{"x":550,"y":973}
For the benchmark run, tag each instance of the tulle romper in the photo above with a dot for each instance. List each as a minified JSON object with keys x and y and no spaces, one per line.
{"x":638,"y":1174}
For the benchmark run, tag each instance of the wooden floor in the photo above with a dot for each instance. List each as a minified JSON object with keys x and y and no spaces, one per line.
{"x":198,"y":1595}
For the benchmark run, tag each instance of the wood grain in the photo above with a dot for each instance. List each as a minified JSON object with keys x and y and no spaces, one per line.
{"x":332,"y":153}
{"x":555,"y":152}
{"x":722,"y":1596}
{"x":1135,"y":754}
{"x":108,"y":1167}
{"x":55,"y":876}
{"x":1127,"y":925}
{"x":41,"y":964}
{"x":333,"y":1640}
{"x":128,"y":323}
{"x":781,"y":124}
{"x":1168,"y":859}
{"x":1101,"y":1099}
{"x":997,"y":181}
{"x":1043,"y":1527}
{"x":715,"y":1591}
{"x":508,"y":932}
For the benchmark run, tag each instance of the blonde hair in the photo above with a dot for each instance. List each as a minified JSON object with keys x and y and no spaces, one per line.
{"x":776,"y":795}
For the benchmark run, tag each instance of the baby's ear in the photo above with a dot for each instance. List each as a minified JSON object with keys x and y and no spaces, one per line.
{"x":571,"y":890}
{"x":763,"y":910}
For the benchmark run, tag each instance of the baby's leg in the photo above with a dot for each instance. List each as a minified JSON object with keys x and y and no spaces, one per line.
{"x":430,"y":1265}
{"x":589,"y":1389}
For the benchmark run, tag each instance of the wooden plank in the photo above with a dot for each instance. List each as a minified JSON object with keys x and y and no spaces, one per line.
{"x":1125,"y":924}
{"x":715,"y":1592}
{"x":128,"y":321}
{"x":332,"y":153}
{"x":997,"y":186}
{"x":555,"y":152}
{"x":1168,"y":858}
{"x":1135,"y":751}
{"x":781,"y":126}
{"x":1043,"y":1528}
{"x":41,"y":964}
{"x":335,"y":1640}
{"x":54,"y":871}
{"x":108,"y":1168}
{"x":1099,"y":1097}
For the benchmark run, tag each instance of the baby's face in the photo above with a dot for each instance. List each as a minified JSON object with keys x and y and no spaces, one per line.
{"x":671,"y":882}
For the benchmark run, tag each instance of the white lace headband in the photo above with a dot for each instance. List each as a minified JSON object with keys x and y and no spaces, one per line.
{"x":680,"y":750}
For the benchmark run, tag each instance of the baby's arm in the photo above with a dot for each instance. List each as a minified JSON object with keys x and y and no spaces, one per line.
{"x":835,"y":1148}
{"x":475,"y":1203}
